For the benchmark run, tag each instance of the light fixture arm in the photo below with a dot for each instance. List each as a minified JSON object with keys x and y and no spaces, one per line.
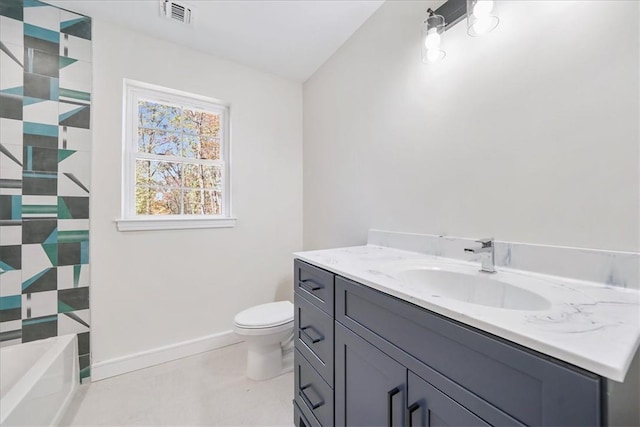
{"x":453,"y":11}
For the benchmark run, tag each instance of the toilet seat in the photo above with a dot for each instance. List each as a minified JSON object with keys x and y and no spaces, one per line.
{"x":266,"y":316}
{"x":241,"y":330}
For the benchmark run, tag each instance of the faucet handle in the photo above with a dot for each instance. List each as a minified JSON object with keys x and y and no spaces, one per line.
{"x":486,"y":242}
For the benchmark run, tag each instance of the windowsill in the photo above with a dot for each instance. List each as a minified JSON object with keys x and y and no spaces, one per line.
{"x":150,"y":224}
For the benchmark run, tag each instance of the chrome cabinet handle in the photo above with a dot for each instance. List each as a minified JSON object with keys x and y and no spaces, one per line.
{"x":310,"y":285}
{"x":390,"y":395}
{"x":413,"y":408}
{"x":306,"y":398}
{"x":309,"y":337}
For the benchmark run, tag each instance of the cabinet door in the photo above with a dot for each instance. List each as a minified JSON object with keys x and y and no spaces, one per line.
{"x":370,"y":387}
{"x":428,"y":406}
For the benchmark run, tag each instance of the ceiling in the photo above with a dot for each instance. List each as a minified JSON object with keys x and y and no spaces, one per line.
{"x":291,"y":38}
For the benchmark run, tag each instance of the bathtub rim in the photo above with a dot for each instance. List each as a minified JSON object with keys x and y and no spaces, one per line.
{"x":20,"y":389}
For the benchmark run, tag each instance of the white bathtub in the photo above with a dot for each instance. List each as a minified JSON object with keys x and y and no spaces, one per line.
{"x":37,"y":381}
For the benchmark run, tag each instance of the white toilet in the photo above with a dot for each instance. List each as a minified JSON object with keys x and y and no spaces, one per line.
{"x":268,"y":331}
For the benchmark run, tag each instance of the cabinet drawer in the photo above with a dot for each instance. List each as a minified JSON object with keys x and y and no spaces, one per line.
{"x":481,"y":372}
{"x":315,"y":284}
{"x":314,"y":337}
{"x":299,"y":419}
{"x":312,"y":394}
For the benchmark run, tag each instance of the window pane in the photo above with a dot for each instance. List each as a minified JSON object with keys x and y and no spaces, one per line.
{"x":158,"y":201}
{"x":201,"y":122}
{"x":158,"y":116}
{"x":213,"y":202}
{"x":161,"y":174}
{"x":201,"y":176}
{"x":193,"y":202}
{"x":201,"y":147}
{"x":202,"y":202}
{"x":144,"y":198}
{"x":142,"y":172}
{"x":155,"y":141}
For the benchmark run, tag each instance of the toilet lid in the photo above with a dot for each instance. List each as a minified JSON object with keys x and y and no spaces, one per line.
{"x":265,"y":315}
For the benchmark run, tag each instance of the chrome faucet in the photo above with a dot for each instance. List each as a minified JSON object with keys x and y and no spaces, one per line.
{"x":486,"y":255}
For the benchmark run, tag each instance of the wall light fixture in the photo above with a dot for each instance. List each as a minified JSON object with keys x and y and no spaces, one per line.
{"x":481,"y":19}
{"x":432,"y":31}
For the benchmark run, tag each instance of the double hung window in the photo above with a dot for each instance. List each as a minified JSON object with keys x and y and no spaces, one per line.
{"x":176,"y":160}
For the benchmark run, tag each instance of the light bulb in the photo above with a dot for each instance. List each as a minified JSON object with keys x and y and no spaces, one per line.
{"x":482,"y":8}
{"x":482,"y":19}
{"x":484,"y":25}
{"x":432,"y":38}
{"x":435,"y":55}
{"x":432,"y":41}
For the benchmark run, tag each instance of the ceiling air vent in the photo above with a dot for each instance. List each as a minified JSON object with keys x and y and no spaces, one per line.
{"x":176,"y":11}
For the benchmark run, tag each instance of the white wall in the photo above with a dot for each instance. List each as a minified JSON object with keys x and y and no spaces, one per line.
{"x":153,"y":289}
{"x":528,"y":134}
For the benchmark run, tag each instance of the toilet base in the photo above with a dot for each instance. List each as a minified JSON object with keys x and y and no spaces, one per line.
{"x":268,"y":361}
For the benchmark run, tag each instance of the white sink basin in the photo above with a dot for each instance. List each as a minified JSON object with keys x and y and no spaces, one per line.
{"x":466,"y":284}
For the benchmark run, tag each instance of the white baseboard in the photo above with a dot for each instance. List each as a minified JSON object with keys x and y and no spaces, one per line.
{"x":156,"y":356}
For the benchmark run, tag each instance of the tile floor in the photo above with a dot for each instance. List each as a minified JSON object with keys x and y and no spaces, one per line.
{"x":207,"y":389}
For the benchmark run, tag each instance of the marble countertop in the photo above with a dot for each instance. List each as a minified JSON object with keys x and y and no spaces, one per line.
{"x":590,"y":325}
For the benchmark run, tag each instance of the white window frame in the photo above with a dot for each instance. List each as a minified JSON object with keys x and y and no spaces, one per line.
{"x":130,"y":221}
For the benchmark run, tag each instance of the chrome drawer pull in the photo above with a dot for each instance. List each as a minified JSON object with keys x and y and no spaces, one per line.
{"x":306,"y":398}
{"x":390,"y":395}
{"x":310,"y":285}
{"x":413,"y":408}
{"x":306,"y":334}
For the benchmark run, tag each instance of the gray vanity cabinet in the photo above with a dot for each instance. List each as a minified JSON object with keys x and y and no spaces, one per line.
{"x":374,"y":390}
{"x":371,"y":387}
{"x":392,"y":363}
{"x":498,"y":381}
